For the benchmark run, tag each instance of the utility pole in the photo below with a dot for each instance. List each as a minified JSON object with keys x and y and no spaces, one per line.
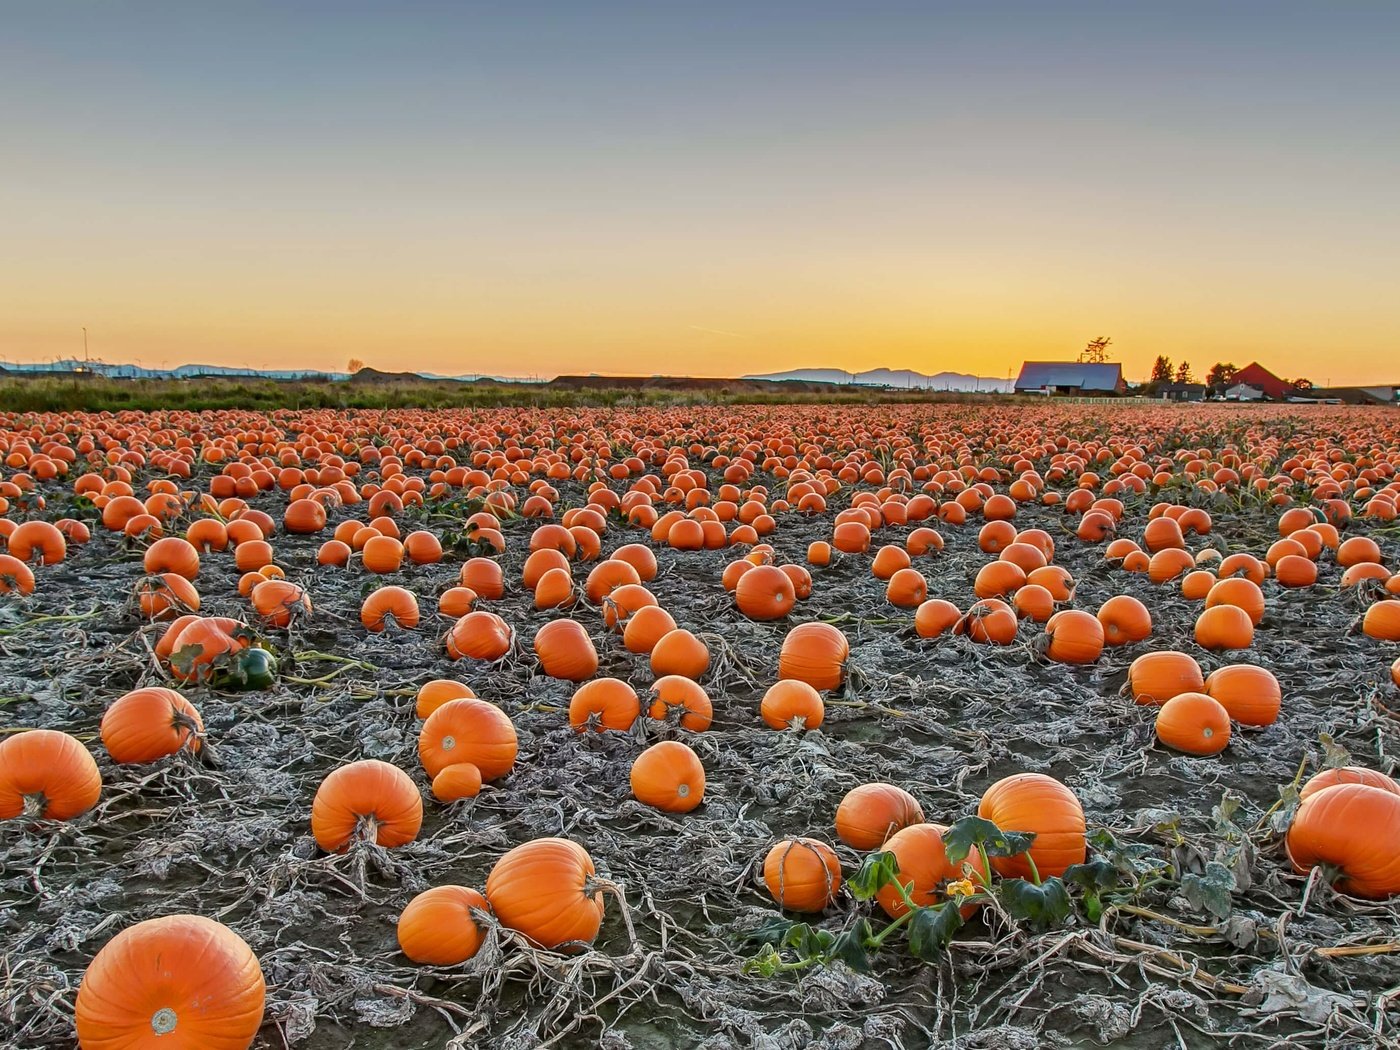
{"x":85,"y":345}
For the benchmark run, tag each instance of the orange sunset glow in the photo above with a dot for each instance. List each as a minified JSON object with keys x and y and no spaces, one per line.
{"x":636,"y":190}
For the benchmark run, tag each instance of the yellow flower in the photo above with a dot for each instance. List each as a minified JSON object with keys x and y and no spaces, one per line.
{"x":962,"y":888}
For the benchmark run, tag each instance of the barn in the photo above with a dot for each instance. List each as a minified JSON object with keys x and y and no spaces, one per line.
{"x":1070,"y":377}
{"x":1259,"y":377}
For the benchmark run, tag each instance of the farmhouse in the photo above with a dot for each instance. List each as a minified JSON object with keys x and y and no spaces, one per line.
{"x":1244,"y":392}
{"x":1070,"y":377}
{"x":1183,"y":391}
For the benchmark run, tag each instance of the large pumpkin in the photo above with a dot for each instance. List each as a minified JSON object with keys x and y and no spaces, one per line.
{"x":182,"y":982}
{"x":150,"y":723}
{"x":1154,"y":678}
{"x":45,"y":773}
{"x":367,"y":797}
{"x":1250,"y":694}
{"x":468,"y":730}
{"x":1354,"y":829}
{"x":1041,"y":804}
{"x":802,"y":874}
{"x":669,"y":776}
{"x":544,"y":890}
{"x":814,"y":653}
{"x":924,"y":867}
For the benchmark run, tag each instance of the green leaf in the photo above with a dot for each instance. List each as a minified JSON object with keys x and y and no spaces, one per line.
{"x":771,"y":932}
{"x":849,"y":946}
{"x":875,"y":873}
{"x":807,"y":942}
{"x":959,"y":839}
{"x":931,"y":930}
{"x":1042,"y":906}
{"x":1210,"y":890}
{"x":183,"y":660}
{"x":1096,"y":875}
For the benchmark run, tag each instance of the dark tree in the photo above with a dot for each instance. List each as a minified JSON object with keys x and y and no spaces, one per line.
{"x":1096,"y":351}
{"x":1162,"y":370}
{"x":354,"y":365}
{"x":1183,"y":373}
{"x":1221,"y":374}
{"x":1302,"y":384}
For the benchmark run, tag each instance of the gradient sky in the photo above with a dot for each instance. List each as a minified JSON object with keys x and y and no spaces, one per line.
{"x":717,"y":189}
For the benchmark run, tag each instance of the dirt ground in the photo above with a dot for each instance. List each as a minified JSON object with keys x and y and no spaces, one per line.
{"x":230,"y":839}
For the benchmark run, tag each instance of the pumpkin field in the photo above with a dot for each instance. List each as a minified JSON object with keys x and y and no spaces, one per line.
{"x":780,"y":726}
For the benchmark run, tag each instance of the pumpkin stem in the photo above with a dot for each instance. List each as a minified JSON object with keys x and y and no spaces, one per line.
{"x":34,"y":806}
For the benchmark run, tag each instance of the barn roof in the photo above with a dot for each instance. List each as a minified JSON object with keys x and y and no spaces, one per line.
{"x":1037,"y":374}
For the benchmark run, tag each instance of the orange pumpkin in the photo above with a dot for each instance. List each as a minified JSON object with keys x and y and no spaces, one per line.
{"x":1154,"y":678}
{"x":681,"y":701}
{"x":1347,"y":775}
{"x":147,"y":724}
{"x":1125,"y":620}
{"x":1074,"y":637}
{"x":1224,"y":627}
{"x":432,"y":695}
{"x":814,"y":653}
{"x":792,"y":704}
{"x":544,"y":889}
{"x":871,"y":813}
{"x":1354,"y":830}
{"x":368,"y":799}
{"x":1042,"y":805}
{"x":924,"y":867}
{"x":765,"y":592}
{"x":479,"y":635}
{"x":565,"y":651}
{"x":48,"y":774}
{"x":468,"y":730}
{"x":680,"y":652}
{"x":802,"y":874}
{"x":669,"y":776}
{"x":1251,"y":695}
{"x":1195,"y":723}
{"x":179,"y":980}
{"x":438,"y":928}
{"x":604,"y":703}
{"x":645,"y":628}
{"x":935,"y":617}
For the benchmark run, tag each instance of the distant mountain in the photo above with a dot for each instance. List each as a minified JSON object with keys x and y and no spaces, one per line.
{"x":902,"y":378}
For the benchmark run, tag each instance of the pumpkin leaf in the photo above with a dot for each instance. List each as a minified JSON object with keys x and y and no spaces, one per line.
{"x":1042,"y":906}
{"x":959,"y":839}
{"x":1130,"y":858}
{"x":1210,"y":890}
{"x":849,"y":946}
{"x":771,"y":932}
{"x":1093,"y":878}
{"x":931,"y":930}
{"x":184,"y":659}
{"x":875,"y":873}
{"x":807,"y":942}
{"x":1224,"y":813}
{"x":1333,"y":753}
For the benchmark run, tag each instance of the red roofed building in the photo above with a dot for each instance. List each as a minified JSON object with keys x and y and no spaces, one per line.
{"x":1259,"y":377}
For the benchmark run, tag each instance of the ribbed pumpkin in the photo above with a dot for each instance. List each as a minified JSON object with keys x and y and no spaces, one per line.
{"x":304,"y":517}
{"x":935,"y":617}
{"x":923,"y":867}
{"x":1040,"y":804}
{"x":604,"y":703}
{"x":669,"y":776}
{"x":171,"y":554}
{"x":765,"y":592}
{"x":1224,"y":627}
{"x":814,"y":653}
{"x":1295,"y":570}
{"x":907,"y":589}
{"x":468,"y":730}
{"x":1168,"y":564}
{"x":998,"y":578}
{"x":889,"y":559}
{"x":802,"y":874}
{"x":1074,"y":637}
{"x":1382,"y":621}
{"x":479,"y":635}
{"x":623,"y":602}
{"x":150,"y":723}
{"x":792,"y":704}
{"x":1034,"y":602}
{"x":166,"y":596}
{"x":1251,"y":695}
{"x":1353,"y":829}
{"x":1196,"y":585}
{"x":1358,"y":549}
{"x":179,"y":982}
{"x":438,"y":928}
{"x":432,"y":695}
{"x":1154,"y":678}
{"x":990,"y":621}
{"x":1348,"y":775}
{"x":1240,"y":592}
{"x":646,"y":627}
{"x":45,"y":773}
{"x":544,"y":890}
{"x":369,"y":798}
{"x":398,"y":605}
{"x":565,"y":651}
{"x":1124,"y":620}
{"x":1054,"y":578}
{"x":871,"y":813}
{"x":1195,"y":723}
{"x":680,"y":652}
{"x":680,"y":700}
